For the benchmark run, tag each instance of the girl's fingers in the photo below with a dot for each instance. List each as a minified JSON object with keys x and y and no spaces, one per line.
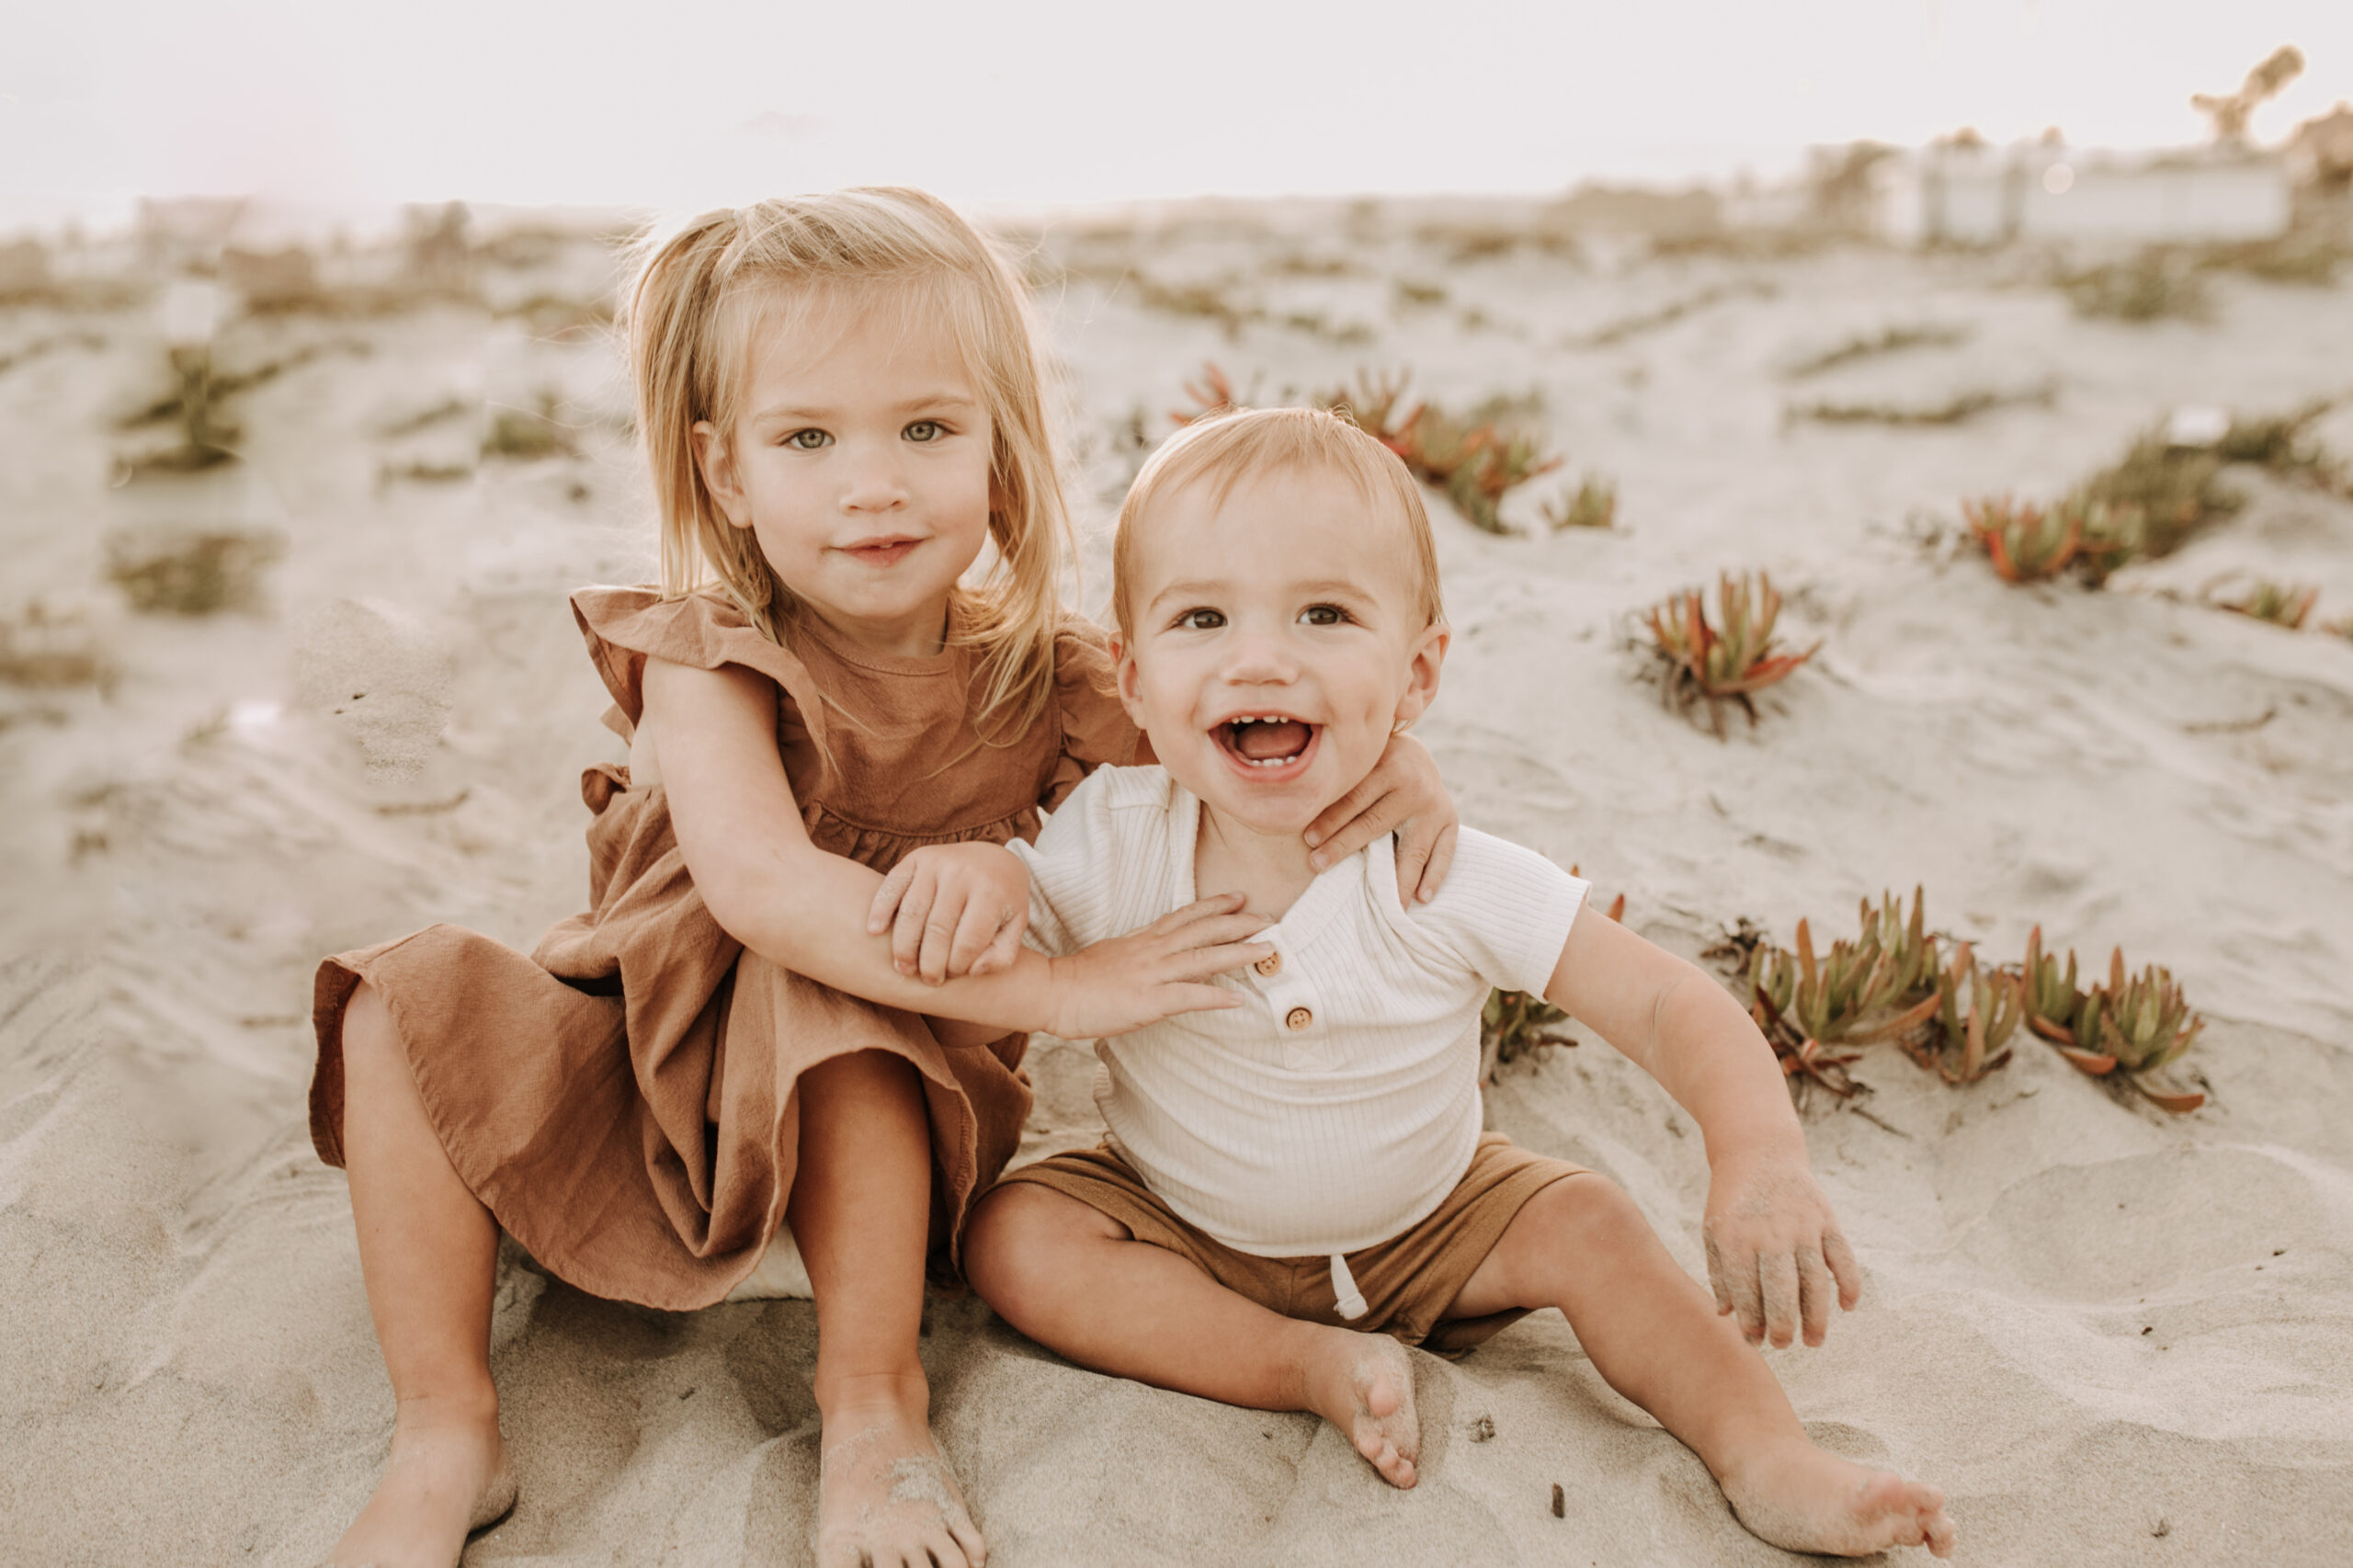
{"x":1176,"y":997}
{"x":1201,"y":909}
{"x":1379,"y":818}
{"x":1778,"y":1272}
{"x":887,"y":896}
{"x":1434,"y":873}
{"x":1814,"y":1291}
{"x":1719,"y":1278}
{"x":1346,"y":809}
{"x":1841,"y":1259}
{"x":1200,"y":963}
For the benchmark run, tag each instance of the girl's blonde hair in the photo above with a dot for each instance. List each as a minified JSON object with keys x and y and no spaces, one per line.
{"x":701,"y":294}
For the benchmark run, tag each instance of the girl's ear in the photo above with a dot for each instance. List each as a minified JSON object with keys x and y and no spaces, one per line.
{"x":1421,"y":674}
{"x":716,"y":457}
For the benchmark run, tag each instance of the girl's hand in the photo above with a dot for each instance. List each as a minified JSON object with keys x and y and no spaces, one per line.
{"x":1403,"y":794}
{"x":1128,"y":981}
{"x":952,"y":910}
{"x":1775,"y":1253}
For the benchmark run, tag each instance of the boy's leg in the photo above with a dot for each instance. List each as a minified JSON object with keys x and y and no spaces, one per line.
{"x":860,"y":1213}
{"x":1078,"y":1282}
{"x":428,"y":1251}
{"x":1653,"y":1333}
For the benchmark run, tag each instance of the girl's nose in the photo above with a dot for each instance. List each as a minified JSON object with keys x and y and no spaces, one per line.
{"x":872,"y":482}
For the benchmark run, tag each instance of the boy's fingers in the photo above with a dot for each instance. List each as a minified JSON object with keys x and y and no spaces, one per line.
{"x":1814,"y":1289}
{"x":1777,"y":1271}
{"x":974,"y":932}
{"x":1841,"y":1259}
{"x":939,"y":936}
{"x":915,"y":913}
{"x":887,"y":896}
{"x":1003,"y":950}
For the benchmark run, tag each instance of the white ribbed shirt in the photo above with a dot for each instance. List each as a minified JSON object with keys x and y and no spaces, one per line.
{"x":1340,"y":1105}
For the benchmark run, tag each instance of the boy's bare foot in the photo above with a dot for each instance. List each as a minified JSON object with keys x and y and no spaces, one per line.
{"x":1807,"y":1500}
{"x":1363,"y":1384}
{"x":446,"y":1477}
{"x":884,"y":1494}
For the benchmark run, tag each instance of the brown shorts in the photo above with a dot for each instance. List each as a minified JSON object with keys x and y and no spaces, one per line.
{"x":1407,"y":1282}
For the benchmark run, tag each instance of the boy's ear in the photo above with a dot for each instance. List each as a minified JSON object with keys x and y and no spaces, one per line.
{"x":1123,"y":658}
{"x":716,"y":458}
{"x":1421,"y":672}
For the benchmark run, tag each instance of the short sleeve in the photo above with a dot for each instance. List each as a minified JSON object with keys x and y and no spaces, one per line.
{"x":1095,"y":728}
{"x":1072,"y":886}
{"x":625,"y":627}
{"x":1505,"y":910}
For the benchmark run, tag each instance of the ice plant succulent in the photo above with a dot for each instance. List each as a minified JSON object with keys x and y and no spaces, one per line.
{"x":1977,"y":1011}
{"x":1515,"y":1024}
{"x":1727,"y":663}
{"x":2144,"y":1022}
{"x":2288,"y":606}
{"x":2029,"y":543}
{"x":1593,"y":505}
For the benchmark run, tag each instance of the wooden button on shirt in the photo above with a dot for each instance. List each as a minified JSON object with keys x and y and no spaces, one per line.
{"x":1270,"y":966}
{"x":1298,"y":1019}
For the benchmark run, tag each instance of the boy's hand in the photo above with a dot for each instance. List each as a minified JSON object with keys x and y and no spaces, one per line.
{"x":1402,"y":793}
{"x":1128,"y":981}
{"x":952,"y":910}
{"x":1775,"y":1253}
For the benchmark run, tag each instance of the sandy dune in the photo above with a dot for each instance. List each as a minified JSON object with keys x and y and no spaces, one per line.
{"x":2112,"y":1336}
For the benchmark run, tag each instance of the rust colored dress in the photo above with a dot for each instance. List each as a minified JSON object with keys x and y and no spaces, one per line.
{"x":621,"y":1098}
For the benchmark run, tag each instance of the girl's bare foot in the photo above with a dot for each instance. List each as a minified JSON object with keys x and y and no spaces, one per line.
{"x":1807,"y":1500}
{"x":447,"y":1476}
{"x":884,"y":1494}
{"x":1363,"y":1384}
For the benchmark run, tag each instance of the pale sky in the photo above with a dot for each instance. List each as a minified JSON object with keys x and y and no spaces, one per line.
{"x":994,"y":101}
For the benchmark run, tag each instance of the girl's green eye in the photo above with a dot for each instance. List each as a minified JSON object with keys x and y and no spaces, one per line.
{"x":809,"y":441}
{"x":1202,"y":619}
{"x":924,"y":430}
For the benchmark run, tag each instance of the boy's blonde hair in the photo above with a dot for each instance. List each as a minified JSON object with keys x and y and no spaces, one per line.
{"x":701,"y":294}
{"x":1230,"y":445}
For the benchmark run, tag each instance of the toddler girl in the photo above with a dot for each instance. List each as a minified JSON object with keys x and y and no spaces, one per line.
{"x":719,"y":1068}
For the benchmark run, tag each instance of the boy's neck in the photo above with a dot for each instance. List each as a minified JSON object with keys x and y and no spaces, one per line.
{"x":1268,"y":867}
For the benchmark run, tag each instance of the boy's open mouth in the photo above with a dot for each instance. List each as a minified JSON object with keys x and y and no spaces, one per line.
{"x":1266,"y":742}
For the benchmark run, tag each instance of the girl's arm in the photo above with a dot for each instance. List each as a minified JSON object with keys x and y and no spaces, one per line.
{"x":709,"y":737}
{"x":1775,"y":1253}
{"x":1402,"y":794}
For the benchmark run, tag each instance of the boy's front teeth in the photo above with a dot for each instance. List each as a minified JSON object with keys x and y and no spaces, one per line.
{"x":1267,"y":741}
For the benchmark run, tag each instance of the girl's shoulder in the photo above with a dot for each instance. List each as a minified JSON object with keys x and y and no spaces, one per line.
{"x":1094,"y":723}
{"x":625,"y":627}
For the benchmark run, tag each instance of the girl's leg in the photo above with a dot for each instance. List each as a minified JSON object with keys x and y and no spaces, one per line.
{"x":861,"y":1212}
{"x":1654,"y":1335}
{"x":429,"y":1252}
{"x":1076,"y":1281}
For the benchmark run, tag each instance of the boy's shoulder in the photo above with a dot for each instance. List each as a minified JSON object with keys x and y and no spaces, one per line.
{"x":1126,"y":795}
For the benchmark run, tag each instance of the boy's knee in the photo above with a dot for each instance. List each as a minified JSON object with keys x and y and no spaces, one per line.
{"x":1008,"y":1241}
{"x":1591,"y":1213}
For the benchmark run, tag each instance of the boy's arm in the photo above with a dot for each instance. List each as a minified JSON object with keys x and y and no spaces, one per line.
{"x":1775,"y":1253}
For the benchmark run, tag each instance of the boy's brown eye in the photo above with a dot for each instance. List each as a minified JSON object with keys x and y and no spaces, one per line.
{"x":1323,"y":614}
{"x":1202,"y":619}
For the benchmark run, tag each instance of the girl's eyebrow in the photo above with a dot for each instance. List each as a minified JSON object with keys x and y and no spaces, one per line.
{"x":938,"y":400}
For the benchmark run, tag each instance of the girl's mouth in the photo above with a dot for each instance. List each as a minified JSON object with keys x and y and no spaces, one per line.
{"x":1267,"y":747}
{"x":881,"y":552}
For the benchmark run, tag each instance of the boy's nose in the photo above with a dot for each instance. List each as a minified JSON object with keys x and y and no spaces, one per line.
{"x":1256,"y":658}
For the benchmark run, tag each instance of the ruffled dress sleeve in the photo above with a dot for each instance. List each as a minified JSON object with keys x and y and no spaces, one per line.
{"x":625,"y":627}
{"x":1095,"y":728}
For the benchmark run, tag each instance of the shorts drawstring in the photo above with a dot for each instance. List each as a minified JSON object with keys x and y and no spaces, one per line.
{"x":1350,"y":1301}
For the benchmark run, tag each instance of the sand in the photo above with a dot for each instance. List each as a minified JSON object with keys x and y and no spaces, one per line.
{"x":2113,"y":1337}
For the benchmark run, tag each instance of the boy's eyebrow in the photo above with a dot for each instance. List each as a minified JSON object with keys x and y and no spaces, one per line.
{"x":1191,"y":586}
